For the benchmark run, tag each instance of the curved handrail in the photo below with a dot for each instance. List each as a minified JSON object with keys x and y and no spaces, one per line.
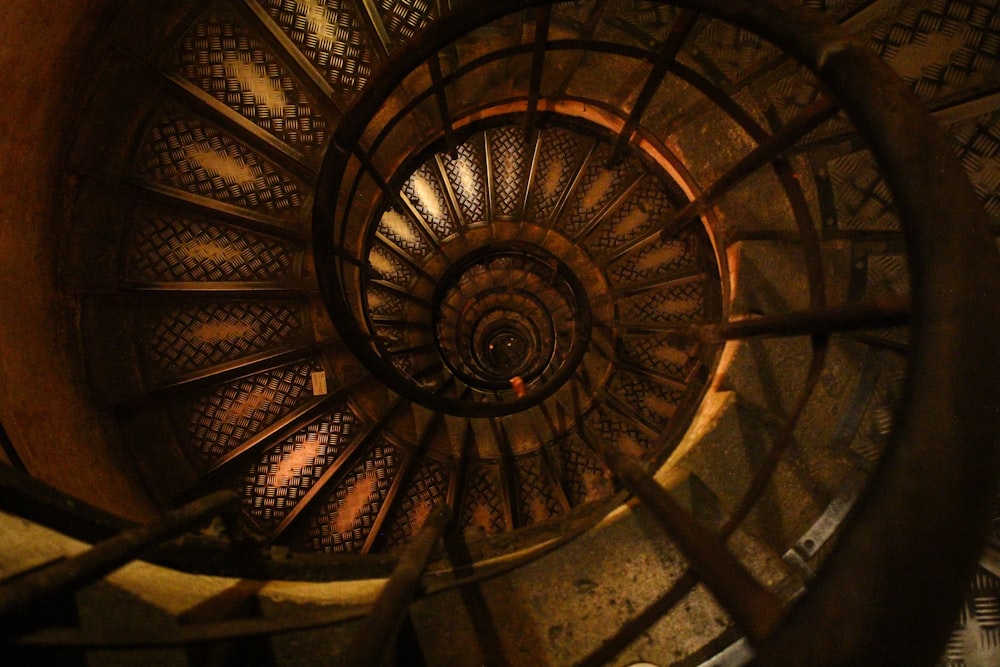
{"x":904,"y":550}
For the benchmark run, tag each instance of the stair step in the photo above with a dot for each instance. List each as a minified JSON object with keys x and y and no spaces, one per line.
{"x":103,"y":606}
{"x":725,"y":452}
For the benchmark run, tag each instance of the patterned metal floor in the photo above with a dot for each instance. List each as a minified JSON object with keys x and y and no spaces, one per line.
{"x":226,"y":352}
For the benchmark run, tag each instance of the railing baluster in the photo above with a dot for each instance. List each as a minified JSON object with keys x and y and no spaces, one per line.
{"x":434,"y":67}
{"x":373,"y":640}
{"x":543,"y":16}
{"x":107,"y":556}
{"x":821,"y":110}
{"x":661,"y":65}
{"x":887,"y":312}
{"x":754,"y":608}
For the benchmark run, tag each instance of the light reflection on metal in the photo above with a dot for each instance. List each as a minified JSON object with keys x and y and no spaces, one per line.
{"x":218,"y":163}
{"x":467,"y":178}
{"x":291,"y":465}
{"x":397,"y":224}
{"x":266,"y":90}
{"x":428,"y":197}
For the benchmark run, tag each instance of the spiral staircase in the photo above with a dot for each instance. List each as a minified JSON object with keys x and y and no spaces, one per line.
{"x":358,"y":259}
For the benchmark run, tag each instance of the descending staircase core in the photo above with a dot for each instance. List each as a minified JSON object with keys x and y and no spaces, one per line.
{"x":505,"y":285}
{"x":361,"y":258}
{"x":511,"y":238}
{"x":510,"y":315}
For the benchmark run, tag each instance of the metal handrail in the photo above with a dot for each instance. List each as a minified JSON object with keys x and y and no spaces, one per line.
{"x":904,"y":549}
{"x":105,"y":557}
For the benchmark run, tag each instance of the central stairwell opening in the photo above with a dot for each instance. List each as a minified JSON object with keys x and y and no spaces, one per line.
{"x":363,"y":259}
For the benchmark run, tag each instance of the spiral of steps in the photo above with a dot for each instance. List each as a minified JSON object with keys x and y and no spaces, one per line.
{"x":352,"y":293}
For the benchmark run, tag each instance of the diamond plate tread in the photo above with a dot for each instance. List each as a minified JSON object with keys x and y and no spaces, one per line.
{"x":656,"y":260}
{"x":384,"y":302}
{"x":899,"y":335}
{"x":537,"y":495}
{"x":785,"y":97}
{"x":598,"y":186}
{"x":978,"y":143}
{"x":404,"y":234}
{"x":345,"y":519}
{"x":385,"y":262}
{"x":190,"y":338}
{"x":791,"y":94}
{"x":559,"y":156}
{"x":220,"y":421}
{"x":404,"y":364}
{"x":569,"y":18}
{"x":641,"y":22}
{"x":887,"y":275}
{"x":394,"y":336}
{"x":656,"y":353}
{"x":186,"y":153}
{"x":945,"y":49}
{"x":166,"y":247}
{"x":221,"y":56}
{"x":504,"y":272}
{"x":647,"y":207}
{"x":729,"y":54}
{"x":619,"y":432}
{"x":879,"y":415}
{"x":656,"y":402}
{"x":680,"y":304}
{"x":508,"y":153}
{"x":429,"y":487}
{"x":482,"y":502}
{"x":861,"y":197}
{"x":583,"y":476}
{"x":976,"y":637}
{"x":285,"y":472}
{"x":467,"y":177}
{"x":405,"y":18}
{"x":424,"y":190}
{"x":785,"y":93}
{"x":332,"y":36}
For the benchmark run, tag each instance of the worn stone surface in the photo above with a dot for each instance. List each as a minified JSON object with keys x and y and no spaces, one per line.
{"x":558,"y":608}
